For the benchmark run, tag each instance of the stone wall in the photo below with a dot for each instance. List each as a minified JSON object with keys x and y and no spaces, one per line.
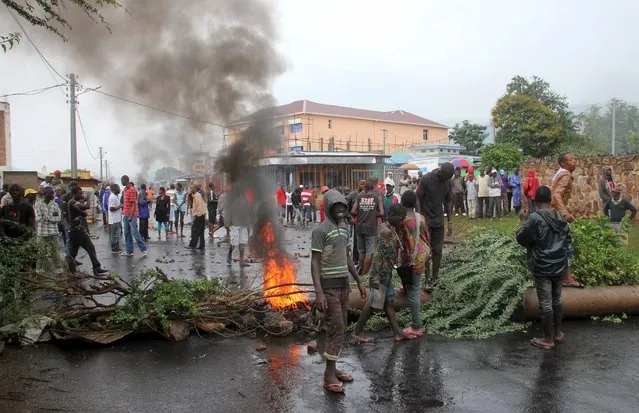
{"x":585,"y":201}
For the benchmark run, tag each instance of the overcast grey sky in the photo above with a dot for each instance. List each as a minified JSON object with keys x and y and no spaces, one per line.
{"x":445,"y":60}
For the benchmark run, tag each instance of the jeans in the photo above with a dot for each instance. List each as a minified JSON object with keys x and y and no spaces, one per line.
{"x":131,"y":231}
{"x":472,"y":208}
{"x":549,"y":293}
{"x":115,"y":232}
{"x":197,"y":232}
{"x":179,"y":219}
{"x":412,"y":292}
{"x":79,"y":239}
{"x":482,"y":207}
{"x":290,"y":214}
{"x":494,"y":207}
{"x":306,"y":213}
{"x":314,"y":213}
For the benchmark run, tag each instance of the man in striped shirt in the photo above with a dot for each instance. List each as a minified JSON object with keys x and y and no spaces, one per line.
{"x":130,"y":219}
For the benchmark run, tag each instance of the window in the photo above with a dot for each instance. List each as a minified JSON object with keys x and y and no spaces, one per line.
{"x":425,"y":134}
{"x":296,"y":127}
{"x":330,"y":124}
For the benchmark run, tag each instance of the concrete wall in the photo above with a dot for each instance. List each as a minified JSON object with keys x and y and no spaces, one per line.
{"x":5,"y":140}
{"x":585,"y":192}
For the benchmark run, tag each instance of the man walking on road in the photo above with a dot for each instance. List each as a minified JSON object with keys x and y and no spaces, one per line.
{"x":368,"y":207}
{"x":561,"y":190}
{"x":130,"y":219}
{"x":48,"y":217}
{"x":211,"y":206}
{"x":435,"y":190}
{"x":79,"y":232}
{"x":198,"y":211}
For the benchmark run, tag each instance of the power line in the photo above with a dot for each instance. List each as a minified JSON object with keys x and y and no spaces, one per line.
{"x":179,"y":115}
{"x":34,"y":91}
{"x":84,"y":135}
{"x":44,"y":59}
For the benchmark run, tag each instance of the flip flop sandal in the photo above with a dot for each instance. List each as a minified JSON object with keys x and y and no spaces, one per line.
{"x":334,"y":388}
{"x":345,"y":378}
{"x":537,"y":343}
{"x":578,"y":285}
{"x":561,"y":339}
{"x":407,"y":338}
{"x":363,"y":340}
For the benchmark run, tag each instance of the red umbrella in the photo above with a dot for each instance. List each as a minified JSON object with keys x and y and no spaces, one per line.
{"x":461,"y":162}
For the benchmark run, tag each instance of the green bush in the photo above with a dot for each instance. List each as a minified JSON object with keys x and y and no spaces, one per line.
{"x":600,"y":257}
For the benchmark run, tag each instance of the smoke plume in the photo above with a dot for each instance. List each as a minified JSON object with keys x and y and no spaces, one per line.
{"x":212,"y":60}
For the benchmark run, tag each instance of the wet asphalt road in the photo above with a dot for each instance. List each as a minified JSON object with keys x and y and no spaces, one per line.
{"x":190,"y":264}
{"x":597,"y":370}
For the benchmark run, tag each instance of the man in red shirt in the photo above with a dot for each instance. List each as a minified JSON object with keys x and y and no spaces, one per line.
{"x":306,"y":206}
{"x":130,"y":219}
{"x":281,"y":201}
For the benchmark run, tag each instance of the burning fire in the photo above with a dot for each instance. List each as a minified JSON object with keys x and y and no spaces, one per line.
{"x":279,"y":274}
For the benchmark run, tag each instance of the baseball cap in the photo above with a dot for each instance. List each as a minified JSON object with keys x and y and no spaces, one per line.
{"x":57,"y":172}
{"x":325,"y":188}
{"x":389,"y":181}
{"x":30,"y":192}
{"x":494,"y":171}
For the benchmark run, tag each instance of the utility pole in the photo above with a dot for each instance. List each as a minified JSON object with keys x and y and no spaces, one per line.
{"x":614,"y":110}
{"x":101,"y":155}
{"x":74,"y":151}
{"x":384,"y":147}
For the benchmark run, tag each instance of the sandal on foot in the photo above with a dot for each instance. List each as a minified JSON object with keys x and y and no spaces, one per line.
{"x":560,"y":339}
{"x":345,"y":378}
{"x":410,"y":331}
{"x":362,"y":340}
{"x":537,"y":343}
{"x":574,"y":284}
{"x":334,"y":387}
{"x":406,"y":337}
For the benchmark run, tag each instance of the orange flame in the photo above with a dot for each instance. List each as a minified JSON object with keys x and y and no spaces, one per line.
{"x":279,"y":274}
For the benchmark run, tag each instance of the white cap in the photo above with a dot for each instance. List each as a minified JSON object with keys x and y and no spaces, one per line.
{"x":389,"y":181}
{"x":302,"y":186}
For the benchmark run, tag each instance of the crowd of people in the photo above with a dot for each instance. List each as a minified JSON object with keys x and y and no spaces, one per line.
{"x":402,"y":236}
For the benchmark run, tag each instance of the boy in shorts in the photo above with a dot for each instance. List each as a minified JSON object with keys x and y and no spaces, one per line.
{"x":385,"y":260}
{"x":330,"y":265}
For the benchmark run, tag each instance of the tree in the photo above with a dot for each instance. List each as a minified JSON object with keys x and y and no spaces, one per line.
{"x":531,"y":116}
{"x":9,"y":40}
{"x":469,"y":135}
{"x":528,"y":124}
{"x":48,"y":13}
{"x":595,"y":125}
{"x":166,"y":172}
{"x":501,"y":155}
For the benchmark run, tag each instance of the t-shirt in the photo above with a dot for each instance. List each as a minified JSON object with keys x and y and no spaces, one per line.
{"x":15,"y":220}
{"x":289,"y":201}
{"x":162,"y":209}
{"x":331,"y":241}
{"x":306,"y":197}
{"x":114,"y":202}
{"x":180,"y":198}
{"x":130,"y":201}
{"x":367,"y":208}
{"x":77,"y":217}
{"x":472,"y":188}
{"x":385,"y":256}
{"x":423,"y":241}
{"x":433,"y":194}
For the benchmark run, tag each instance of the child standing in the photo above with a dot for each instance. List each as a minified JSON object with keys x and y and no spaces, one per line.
{"x":330,"y":265}
{"x":616,"y":209}
{"x":385,"y":260}
{"x":546,"y":236}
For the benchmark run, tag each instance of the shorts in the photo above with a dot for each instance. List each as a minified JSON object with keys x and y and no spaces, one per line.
{"x":366,"y":244}
{"x":221,"y":221}
{"x":390,"y":294}
{"x":164,"y":225}
{"x":239,"y":236}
